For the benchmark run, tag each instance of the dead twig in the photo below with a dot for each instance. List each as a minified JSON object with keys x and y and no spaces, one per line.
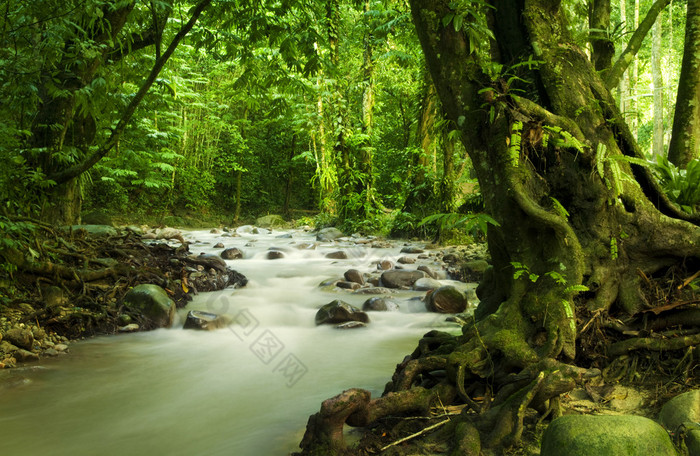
{"x":417,"y":434}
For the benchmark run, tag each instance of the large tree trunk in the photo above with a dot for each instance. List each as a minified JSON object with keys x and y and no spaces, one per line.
{"x":685,"y":142}
{"x":571,"y":216}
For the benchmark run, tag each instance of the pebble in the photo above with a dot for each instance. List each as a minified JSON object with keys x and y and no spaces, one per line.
{"x":61,"y":347}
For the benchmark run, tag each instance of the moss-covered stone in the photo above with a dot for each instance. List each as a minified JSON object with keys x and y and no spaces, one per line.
{"x":153,"y":303}
{"x":590,"y":435}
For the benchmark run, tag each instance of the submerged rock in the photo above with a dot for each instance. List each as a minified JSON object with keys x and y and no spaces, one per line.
{"x":351,"y":325}
{"x":337,"y":255}
{"x":339,"y":312}
{"x":624,"y":435}
{"x":153,"y":303}
{"x":197,"y":319}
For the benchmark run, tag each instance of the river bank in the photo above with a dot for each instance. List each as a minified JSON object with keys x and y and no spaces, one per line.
{"x":214,"y":383}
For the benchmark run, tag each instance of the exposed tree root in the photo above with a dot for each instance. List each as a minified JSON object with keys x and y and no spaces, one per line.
{"x":71,"y":282}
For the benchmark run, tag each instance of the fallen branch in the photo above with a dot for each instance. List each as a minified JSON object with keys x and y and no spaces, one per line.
{"x":676,"y":343}
{"x":417,"y":434}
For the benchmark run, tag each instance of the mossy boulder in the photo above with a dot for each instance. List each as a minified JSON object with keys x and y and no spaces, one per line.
{"x":681,"y":416}
{"x":446,"y":299}
{"x":271,"y":221}
{"x":96,"y":230}
{"x":153,"y":303}
{"x":603,"y":435}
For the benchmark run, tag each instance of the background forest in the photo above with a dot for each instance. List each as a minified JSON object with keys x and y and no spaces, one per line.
{"x":300,"y":108}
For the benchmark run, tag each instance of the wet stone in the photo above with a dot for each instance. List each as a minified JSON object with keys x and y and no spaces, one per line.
{"x":353,"y":275}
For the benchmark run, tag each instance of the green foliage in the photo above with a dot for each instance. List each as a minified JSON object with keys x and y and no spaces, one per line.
{"x":561,"y":210}
{"x":681,"y":185}
{"x":470,"y":223}
{"x":522,"y":270}
{"x":561,"y":138}
{"x":469,"y":16}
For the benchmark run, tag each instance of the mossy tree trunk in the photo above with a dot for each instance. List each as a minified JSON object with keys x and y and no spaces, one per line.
{"x":685,"y":142}
{"x":572,"y":217}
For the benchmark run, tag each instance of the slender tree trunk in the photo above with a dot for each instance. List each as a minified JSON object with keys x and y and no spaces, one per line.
{"x":658,"y":85}
{"x":599,"y":22}
{"x":420,"y":192}
{"x":622,"y":91}
{"x":634,"y":122}
{"x":366,"y":149}
{"x":685,"y":139}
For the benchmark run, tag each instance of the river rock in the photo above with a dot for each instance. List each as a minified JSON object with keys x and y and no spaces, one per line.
{"x":274,"y":255}
{"x":131,"y":327}
{"x":284,"y":236}
{"x":347,"y":285}
{"x":208,"y":260}
{"x":385,"y":265}
{"x":337,"y":255}
{"x":20,"y":337}
{"x":683,"y":411}
{"x":152,"y":302}
{"x":412,"y":249}
{"x":406,"y":260}
{"x":270,"y":221}
{"x":232,"y":254}
{"x":353,"y":275}
{"x":377,"y":304}
{"x":425,"y":284}
{"x":473,"y":271}
{"x":447,"y":299}
{"x":429,"y":272}
{"x":619,"y":435}
{"x":397,"y":278}
{"x":96,"y":230}
{"x":328,"y":234}
{"x":351,"y":325}
{"x":245,"y":229}
{"x":306,"y":246}
{"x":374,"y":290}
{"x":219,"y":245}
{"x":25,"y":356}
{"x":339,"y":312}
{"x":197,"y":319}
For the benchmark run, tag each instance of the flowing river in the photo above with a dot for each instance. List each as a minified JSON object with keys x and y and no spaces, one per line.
{"x":245,"y":390}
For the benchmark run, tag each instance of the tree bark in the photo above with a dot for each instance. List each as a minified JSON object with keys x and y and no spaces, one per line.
{"x":685,"y":139}
{"x":628,"y":56}
{"x":570,"y":214}
{"x":603,"y":48}
{"x":78,"y":130}
{"x":658,"y":86}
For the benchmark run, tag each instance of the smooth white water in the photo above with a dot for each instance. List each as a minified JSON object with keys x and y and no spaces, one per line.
{"x":246,"y":390}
